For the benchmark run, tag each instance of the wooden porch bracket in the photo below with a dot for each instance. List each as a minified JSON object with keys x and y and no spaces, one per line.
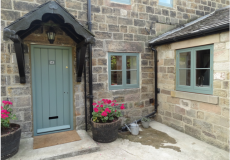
{"x":19,"y":50}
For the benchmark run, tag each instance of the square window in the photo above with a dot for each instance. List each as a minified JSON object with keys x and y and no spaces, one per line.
{"x":123,"y":70}
{"x":121,"y":1}
{"x":167,"y":3}
{"x":194,"y":69}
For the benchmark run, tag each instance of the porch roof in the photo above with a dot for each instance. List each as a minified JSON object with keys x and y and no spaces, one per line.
{"x":28,"y":23}
{"x":209,"y":24}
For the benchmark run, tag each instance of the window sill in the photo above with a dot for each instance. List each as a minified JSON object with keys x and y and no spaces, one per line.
{"x":196,"y":97}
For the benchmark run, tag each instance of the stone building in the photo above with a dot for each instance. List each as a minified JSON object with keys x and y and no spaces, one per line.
{"x":196,"y":101}
{"x":121,"y":30}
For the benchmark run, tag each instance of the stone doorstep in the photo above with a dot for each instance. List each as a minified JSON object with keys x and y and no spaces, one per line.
{"x":84,"y":146}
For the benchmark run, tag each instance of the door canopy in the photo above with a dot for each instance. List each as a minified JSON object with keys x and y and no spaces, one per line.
{"x":31,"y":21}
{"x":51,"y":10}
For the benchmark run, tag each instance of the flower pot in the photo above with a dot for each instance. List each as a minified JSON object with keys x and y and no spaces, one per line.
{"x":105,"y":132}
{"x":145,"y":124}
{"x":10,"y":142}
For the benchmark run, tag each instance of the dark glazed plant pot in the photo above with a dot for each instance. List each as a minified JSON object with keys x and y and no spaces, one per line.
{"x":105,"y":132}
{"x":10,"y":143}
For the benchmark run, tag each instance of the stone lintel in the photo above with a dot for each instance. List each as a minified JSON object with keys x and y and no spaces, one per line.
{"x":124,"y":46}
{"x":205,"y":40}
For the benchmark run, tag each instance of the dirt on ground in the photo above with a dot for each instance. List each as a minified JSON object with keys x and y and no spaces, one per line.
{"x":151,"y":137}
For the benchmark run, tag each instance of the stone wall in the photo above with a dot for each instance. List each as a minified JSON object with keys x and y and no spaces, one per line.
{"x":118,"y":28}
{"x":205,"y":117}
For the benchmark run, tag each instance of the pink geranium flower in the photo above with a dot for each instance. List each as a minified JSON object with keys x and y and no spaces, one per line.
{"x":107,"y":110}
{"x":109,"y":101}
{"x":94,"y":104}
{"x":5,"y":111}
{"x":7,"y":102}
{"x":96,"y":109}
{"x":122,"y":107}
{"x":112,"y":104}
{"x":104,"y":114}
{"x":101,"y":105}
{"x":97,"y":106}
{"x":4,"y":116}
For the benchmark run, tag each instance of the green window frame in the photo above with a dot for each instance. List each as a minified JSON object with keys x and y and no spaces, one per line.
{"x":197,"y":70}
{"x":163,"y":3}
{"x":122,"y":1}
{"x":124,"y":71}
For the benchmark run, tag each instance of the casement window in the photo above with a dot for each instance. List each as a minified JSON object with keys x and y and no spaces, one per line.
{"x":121,"y":1}
{"x":194,"y":69}
{"x":167,"y":3}
{"x":123,"y":70}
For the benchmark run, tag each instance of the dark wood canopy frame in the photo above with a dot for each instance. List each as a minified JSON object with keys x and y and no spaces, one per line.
{"x":31,"y":21}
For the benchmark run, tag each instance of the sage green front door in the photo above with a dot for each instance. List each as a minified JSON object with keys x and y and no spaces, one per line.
{"x":52,"y":89}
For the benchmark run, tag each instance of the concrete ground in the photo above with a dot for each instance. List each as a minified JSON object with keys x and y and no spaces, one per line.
{"x":84,"y":146}
{"x":174,"y":145}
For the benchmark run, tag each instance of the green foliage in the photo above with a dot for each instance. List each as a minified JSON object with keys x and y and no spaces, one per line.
{"x":145,"y":119}
{"x":113,"y":62}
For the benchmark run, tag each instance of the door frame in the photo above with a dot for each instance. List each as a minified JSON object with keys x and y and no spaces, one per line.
{"x":32,"y":46}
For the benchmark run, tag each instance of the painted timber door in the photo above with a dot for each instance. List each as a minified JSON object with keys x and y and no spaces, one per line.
{"x":52,"y":89}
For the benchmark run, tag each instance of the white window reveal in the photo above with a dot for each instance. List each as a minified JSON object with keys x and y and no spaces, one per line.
{"x":121,"y":1}
{"x":167,"y":3}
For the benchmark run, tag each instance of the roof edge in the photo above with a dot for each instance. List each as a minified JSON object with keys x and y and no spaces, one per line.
{"x":224,"y":27}
{"x":185,"y":25}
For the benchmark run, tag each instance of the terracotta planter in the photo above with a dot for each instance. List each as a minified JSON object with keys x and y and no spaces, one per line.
{"x":105,"y":132}
{"x":10,"y":143}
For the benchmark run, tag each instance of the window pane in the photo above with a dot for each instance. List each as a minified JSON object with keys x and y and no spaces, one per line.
{"x":203,"y":59}
{"x":116,"y":77}
{"x":185,"y":60}
{"x":131,"y":62}
{"x":202,"y":77}
{"x":131,"y":77}
{"x":116,"y":62}
{"x":184,"y":77}
{"x":165,"y":1}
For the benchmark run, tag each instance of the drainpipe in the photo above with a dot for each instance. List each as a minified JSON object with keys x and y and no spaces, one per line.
{"x":90,"y":62}
{"x":124,"y":128}
{"x":86,"y":125}
{"x":156,"y":81}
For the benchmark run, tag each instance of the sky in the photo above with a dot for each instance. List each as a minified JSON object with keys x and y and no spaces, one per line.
{"x":165,"y":1}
